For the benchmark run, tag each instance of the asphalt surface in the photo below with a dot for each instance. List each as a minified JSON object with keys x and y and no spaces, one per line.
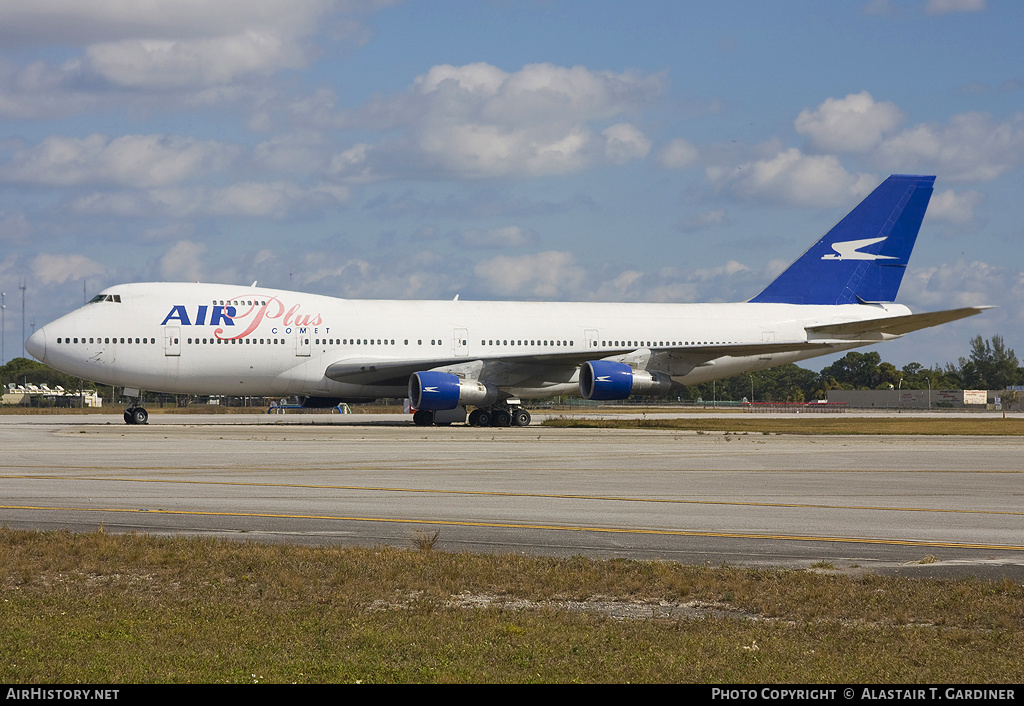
{"x":914,"y":505}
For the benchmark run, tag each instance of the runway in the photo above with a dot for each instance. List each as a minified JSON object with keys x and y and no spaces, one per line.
{"x":915,"y":505}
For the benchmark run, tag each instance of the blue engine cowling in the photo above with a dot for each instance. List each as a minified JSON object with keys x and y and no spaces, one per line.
{"x":610,"y":380}
{"x":434,"y":390}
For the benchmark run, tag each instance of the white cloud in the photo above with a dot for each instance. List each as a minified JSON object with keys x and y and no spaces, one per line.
{"x":729,"y":269}
{"x":79,"y":23}
{"x":793,"y":177}
{"x":972,"y":147}
{"x":704,"y":220}
{"x":14,"y":227}
{"x":952,"y":207}
{"x":414,"y":275}
{"x":159,"y":51}
{"x":245,"y":199}
{"x":941,"y":7}
{"x":544,"y":275}
{"x":965,"y":283}
{"x":507,"y":237}
{"x":477,"y":121}
{"x":855,"y":123}
{"x":182,"y":262}
{"x":624,"y":143}
{"x":679,"y":154}
{"x":132,"y":160}
{"x":161,"y":64}
{"x":295,"y":153}
{"x":480,"y":78}
{"x":626,"y":280}
{"x":878,"y":7}
{"x":732,"y":281}
{"x":57,"y":269}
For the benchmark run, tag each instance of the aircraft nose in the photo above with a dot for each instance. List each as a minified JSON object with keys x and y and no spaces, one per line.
{"x":36,"y":345}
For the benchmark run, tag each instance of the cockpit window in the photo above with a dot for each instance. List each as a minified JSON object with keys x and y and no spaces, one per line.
{"x":106,"y":298}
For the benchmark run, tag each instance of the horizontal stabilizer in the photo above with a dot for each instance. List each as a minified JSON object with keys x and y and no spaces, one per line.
{"x":895,"y":325}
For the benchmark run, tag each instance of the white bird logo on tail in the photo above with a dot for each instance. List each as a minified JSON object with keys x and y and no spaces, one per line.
{"x":850,"y":250}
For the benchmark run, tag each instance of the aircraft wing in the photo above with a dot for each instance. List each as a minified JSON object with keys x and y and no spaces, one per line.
{"x":397,"y":371}
{"x":893,"y":325}
{"x":390,"y":371}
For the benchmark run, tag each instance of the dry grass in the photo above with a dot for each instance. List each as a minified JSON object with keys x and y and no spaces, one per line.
{"x":133,"y":608}
{"x":959,"y":426}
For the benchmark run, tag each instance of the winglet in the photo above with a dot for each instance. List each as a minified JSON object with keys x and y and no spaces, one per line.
{"x":864,"y":256}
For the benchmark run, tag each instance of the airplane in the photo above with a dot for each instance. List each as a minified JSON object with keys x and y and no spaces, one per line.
{"x":445,"y":356}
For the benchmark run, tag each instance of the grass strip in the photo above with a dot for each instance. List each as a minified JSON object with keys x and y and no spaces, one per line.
{"x":1013,"y":426}
{"x":132,"y":608}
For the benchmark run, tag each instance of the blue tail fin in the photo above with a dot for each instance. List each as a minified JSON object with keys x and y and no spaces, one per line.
{"x":863,"y":258}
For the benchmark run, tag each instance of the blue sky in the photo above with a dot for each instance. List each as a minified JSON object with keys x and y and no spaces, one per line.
{"x":548,"y":150}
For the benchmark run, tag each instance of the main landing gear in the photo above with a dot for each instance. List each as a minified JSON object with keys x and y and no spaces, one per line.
{"x":491,"y":417}
{"x":499,"y":417}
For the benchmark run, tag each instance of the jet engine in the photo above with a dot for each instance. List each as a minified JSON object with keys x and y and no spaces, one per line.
{"x":609,"y":380}
{"x":435,"y":390}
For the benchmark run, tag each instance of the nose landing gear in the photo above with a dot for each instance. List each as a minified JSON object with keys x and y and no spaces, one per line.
{"x":136,"y":415}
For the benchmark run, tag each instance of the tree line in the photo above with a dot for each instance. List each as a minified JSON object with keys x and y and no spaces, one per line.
{"x":989,"y":366}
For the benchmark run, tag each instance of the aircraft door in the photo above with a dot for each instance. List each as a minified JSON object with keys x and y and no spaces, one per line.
{"x":591,"y":337}
{"x":302,"y":346}
{"x":172,"y":340}
{"x":461,"y":342}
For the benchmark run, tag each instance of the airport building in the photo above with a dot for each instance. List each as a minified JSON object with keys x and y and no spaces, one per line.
{"x":916,"y":399}
{"x":42,"y":395}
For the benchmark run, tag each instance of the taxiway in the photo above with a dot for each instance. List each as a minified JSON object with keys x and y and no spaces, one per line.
{"x":907,"y":504}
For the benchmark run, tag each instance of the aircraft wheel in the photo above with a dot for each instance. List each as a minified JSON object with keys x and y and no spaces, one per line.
{"x":501,"y":418}
{"x":128,"y":418}
{"x":521,"y":418}
{"x":479,"y":418}
{"x":140,"y":416}
{"x":423,"y":418}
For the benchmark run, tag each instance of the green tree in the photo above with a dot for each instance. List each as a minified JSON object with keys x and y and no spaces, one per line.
{"x":856,"y":371}
{"x":24,"y":370}
{"x":991,"y":365}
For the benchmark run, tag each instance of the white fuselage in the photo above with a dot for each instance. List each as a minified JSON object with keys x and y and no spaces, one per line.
{"x":230,"y":340}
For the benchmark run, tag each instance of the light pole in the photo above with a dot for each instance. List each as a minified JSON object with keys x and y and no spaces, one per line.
{"x":22,"y":285}
{"x":3,"y":327}
{"x":929,"y":392}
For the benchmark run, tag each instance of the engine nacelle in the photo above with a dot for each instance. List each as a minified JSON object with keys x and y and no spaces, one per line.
{"x":435,"y":390}
{"x":609,"y":380}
